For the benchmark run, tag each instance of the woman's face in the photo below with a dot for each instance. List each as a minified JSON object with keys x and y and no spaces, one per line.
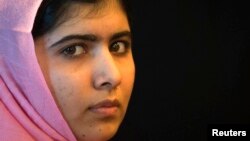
{"x":88,"y":65}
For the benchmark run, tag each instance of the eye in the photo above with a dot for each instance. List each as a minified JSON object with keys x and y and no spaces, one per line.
{"x":74,"y":50}
{"x":119,"y":47}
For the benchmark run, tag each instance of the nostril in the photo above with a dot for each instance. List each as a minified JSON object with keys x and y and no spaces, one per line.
{"x":106,"y":84}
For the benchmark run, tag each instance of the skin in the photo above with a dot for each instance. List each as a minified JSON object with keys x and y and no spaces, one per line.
{"x":84,"y":72}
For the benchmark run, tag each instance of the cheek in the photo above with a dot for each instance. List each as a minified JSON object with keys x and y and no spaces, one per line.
{"x":65,"y":82}
{"x":68,"y":92}
{"x":127,"y":69}
{"x":63,"y":90}
{"x":128,"y":76}
{"x":67,"y":78}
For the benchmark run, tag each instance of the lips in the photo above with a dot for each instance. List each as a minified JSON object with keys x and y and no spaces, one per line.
{"x":105,"y":107}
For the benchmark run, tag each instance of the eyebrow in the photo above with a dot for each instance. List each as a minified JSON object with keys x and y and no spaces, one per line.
{"x":120,"y":35}
{"x":90,"y":37}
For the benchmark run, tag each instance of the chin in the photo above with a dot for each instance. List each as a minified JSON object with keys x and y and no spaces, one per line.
{"x":98,"y":134}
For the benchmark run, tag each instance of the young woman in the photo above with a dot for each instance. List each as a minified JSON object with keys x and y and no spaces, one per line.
{"x":73,"y":79}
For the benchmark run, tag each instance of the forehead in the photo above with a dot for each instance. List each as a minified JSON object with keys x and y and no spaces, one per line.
{"x":94,"y":8}
{"x":99,"y":19}
{"x":102,"y":10}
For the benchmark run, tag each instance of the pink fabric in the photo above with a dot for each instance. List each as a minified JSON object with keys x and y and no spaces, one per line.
{"x":27,"y":109}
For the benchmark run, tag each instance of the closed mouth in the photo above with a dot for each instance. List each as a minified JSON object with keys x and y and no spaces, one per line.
{"x":106,"y":107}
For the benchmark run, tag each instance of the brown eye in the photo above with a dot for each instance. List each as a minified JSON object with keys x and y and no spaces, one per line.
{"x":118,"y":47}
{"x":74,"y":50}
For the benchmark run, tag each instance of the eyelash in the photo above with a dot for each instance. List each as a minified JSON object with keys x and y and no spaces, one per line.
{"x":85,"y":50}
{"x":126,"y":46}
{"x":73,"y":46}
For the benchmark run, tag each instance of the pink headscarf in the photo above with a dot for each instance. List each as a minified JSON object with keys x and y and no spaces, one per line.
{"x":27,"y":109}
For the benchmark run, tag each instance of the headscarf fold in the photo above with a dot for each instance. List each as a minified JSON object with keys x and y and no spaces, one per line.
{"x":27,"y":109}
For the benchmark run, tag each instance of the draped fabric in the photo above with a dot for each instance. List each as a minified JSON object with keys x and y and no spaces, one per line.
{"x":27,"y":109}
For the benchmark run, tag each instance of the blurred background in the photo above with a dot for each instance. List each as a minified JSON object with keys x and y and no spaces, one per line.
{"x":192,"y":60}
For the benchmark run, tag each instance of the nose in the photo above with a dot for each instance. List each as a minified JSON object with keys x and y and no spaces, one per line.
{"x":106,"y":74}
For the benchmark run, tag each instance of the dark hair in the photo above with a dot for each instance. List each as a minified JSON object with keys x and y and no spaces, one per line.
{"x":51,"y":11}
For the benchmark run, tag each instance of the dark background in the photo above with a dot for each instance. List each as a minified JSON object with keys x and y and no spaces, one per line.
{"x":192,"y":61}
